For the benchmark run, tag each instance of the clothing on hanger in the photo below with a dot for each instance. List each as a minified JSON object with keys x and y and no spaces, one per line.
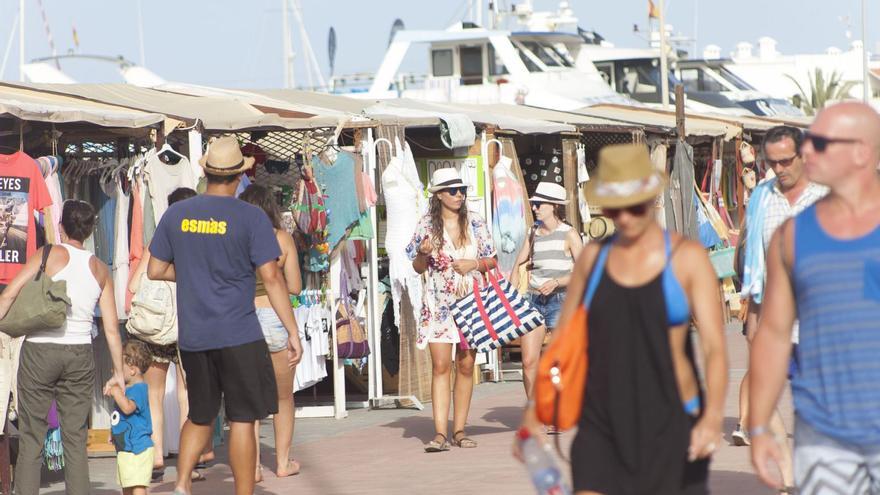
{"x":22,"y":192}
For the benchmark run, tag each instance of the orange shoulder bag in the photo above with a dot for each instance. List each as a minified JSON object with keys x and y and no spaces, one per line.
{"x":562,"y":371}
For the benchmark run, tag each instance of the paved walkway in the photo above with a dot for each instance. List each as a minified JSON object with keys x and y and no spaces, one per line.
{"x":380,"y":452}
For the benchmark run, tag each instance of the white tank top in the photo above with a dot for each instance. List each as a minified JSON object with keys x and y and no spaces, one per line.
{"x":84,"y":292}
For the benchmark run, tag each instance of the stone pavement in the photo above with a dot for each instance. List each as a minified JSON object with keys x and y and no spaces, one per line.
{"x":380,"y":452}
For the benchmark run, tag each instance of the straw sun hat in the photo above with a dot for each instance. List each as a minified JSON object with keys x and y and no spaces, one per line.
{"x":224,"y":157}
{"x":625,"y":177}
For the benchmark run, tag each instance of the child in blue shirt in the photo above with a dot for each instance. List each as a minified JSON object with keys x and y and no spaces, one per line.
{"x":131,"y":425}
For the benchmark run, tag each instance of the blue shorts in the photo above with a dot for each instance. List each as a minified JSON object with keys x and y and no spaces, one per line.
{"x":548,"y":306}
{"x":273,"y":329}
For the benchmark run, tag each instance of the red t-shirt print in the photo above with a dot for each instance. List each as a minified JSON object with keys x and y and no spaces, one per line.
{"x":22,"y":190}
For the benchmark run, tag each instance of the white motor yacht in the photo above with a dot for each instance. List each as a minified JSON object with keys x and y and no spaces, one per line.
{"x":470,"y":64}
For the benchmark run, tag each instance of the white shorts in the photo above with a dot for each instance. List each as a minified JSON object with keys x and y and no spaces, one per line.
{"x":824,"y":465}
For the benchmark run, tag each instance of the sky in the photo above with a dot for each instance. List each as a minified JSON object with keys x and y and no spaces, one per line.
{"x":238,"y":43}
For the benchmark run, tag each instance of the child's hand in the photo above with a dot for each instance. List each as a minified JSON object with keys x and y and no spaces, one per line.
{"x":110,"y":390}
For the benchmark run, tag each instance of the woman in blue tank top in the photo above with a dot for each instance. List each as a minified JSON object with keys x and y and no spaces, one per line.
{"x":646,"y":427}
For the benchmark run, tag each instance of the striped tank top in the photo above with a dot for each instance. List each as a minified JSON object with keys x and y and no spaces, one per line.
{"x":550,"y":259}
{"x":837,"y":287}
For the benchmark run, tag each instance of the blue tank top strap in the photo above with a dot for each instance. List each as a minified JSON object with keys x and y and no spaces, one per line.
{"x":596,"y":273}
{"x":678,"y":310}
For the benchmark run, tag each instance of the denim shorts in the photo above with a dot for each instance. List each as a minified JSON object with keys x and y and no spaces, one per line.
{"x":548,"y":306}
{"x":273,"y":329}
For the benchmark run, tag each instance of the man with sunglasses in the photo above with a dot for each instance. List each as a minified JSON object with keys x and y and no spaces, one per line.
{"x":782,"y":197}
{"x":824,"y":271}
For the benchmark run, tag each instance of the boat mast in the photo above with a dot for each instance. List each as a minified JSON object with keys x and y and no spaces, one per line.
{"x":866,"y":81}
{"x":21,"y":40}
{"x":287,"y":50}
{"x":664,"y":62}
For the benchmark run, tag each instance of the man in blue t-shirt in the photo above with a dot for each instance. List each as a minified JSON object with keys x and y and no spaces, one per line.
{"x":212,"y":245}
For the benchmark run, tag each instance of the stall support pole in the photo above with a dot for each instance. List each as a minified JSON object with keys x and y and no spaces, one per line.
{"x":374,"y":322}
{"x":339,"y":410}
{"x":493,"y":359}
{"x":375,"y":334}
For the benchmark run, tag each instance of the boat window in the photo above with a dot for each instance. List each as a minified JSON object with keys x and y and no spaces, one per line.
{"x":544,"y":55}
{"x":734,"y":79}
{"x":636,"y":80}
{"x":530,"y":65}
{"x":441,"y":62}
{"x":562,"y":52}
{"x":496,"y":65}
{"x":605,"y":70}
{"x":696,"y":79}
{"x":471,"y":64}
{"x":690,"y":78}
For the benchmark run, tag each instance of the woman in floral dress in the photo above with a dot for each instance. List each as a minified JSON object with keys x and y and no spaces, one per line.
{"x":450,"y":247}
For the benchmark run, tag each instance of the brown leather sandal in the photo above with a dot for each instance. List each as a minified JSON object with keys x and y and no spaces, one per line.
{"x":464,"y":442}
{"x":435,"y":446}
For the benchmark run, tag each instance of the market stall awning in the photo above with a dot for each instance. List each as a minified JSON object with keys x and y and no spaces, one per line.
{"x":219,"y":113}
{"x":339,"y":103}
{"x":695,"y":125}
{"x":303,"y":107}
{"x":39,"y":106}
{"x":575,"y":119}
{"x":482,"y":114}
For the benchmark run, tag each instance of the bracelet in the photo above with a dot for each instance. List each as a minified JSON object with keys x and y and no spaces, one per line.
{"x":758,"y":431}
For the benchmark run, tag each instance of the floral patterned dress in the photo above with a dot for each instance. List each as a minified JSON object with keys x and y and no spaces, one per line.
{"x":443,"y":286}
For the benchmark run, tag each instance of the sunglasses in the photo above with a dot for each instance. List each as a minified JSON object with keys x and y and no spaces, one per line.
{"x":454,"y":191}
{"x":821,"y":143}
{"x":785,"y":162}
{"x":635,"y":210}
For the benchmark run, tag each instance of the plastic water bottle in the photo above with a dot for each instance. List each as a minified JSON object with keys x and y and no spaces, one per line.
{"x":542,"y":467}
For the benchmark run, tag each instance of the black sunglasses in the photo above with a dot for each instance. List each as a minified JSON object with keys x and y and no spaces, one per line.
{"x":785,"y":162}
{"x":821,"y":143}
{"x":453,"y":191}
{"x":634,"y":210}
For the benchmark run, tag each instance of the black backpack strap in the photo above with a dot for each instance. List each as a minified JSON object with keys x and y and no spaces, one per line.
{"x":46,"y":250}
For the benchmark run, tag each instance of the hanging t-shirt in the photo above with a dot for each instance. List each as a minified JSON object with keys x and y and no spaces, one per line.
{"x":131,"y":432}
{"x":216,"y":243}
{"x":164,"y":178}
{"x":314,"y":329}
{"x":22,"y":190}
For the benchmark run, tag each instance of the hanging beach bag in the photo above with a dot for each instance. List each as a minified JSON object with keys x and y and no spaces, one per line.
{"x":351,"y":340}
{"x":562,"y":370}
{"x":41,"y":305}
{"x":494,"y":315}
{"x":153,"y":316}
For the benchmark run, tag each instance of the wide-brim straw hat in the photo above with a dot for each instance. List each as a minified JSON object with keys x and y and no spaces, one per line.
{"x":625,"y":177}
{"x":224,"y":157}
{"x":444,"y":178}
{"x":548,"y":192}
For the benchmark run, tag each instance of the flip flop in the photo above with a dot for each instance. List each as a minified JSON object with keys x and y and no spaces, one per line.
{"x":197,"y":476}
{"x":157,"y":475}
{"x":464,"y":442}
{"x":435,"y":446}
